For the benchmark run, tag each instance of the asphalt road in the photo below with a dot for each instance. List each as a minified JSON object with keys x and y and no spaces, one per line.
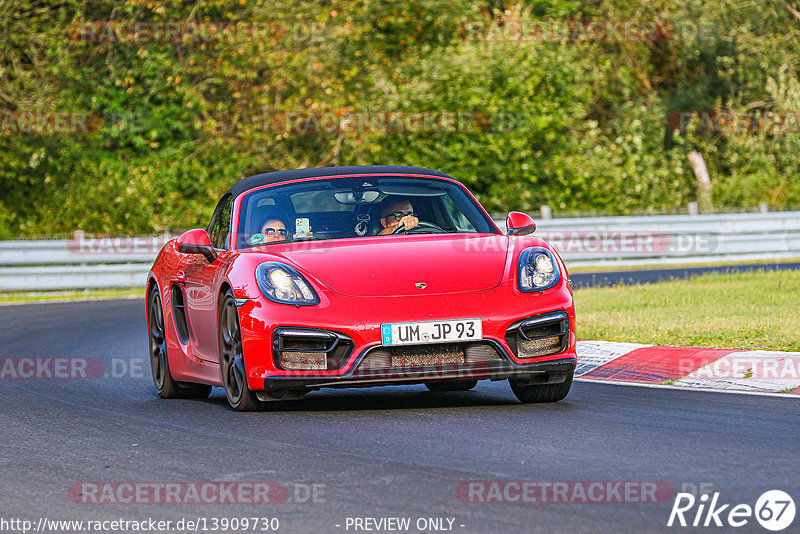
{"x":378,"y":453}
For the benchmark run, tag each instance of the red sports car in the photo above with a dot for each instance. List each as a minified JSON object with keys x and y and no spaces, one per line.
{"x":355,"y":277}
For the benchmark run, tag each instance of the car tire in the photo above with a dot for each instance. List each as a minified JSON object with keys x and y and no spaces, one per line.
{"x":165,"y":385}
{"x":231,"y":358}
{"x":451,"y":385}
{"x":541,"y":393}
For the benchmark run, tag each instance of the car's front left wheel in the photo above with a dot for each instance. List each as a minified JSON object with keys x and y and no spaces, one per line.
{"x":231,"y":358}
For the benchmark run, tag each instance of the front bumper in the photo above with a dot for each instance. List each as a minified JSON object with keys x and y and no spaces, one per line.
{"x":550,"y":372}
{"x":354,"y":319}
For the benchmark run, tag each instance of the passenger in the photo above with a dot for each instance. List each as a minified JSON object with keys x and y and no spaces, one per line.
{"x":274,"y":230}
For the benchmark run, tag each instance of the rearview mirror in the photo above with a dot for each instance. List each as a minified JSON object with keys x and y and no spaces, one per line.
{"x":356,"y":197}
{"x":197,"y":242}
{"x":519,"y":223}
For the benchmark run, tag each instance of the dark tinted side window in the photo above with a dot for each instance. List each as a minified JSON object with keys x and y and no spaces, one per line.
{"x":220,"y":227}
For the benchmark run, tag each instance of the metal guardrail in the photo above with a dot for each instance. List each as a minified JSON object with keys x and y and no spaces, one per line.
{"x":83,"y":263}
{"x":81,"y":250}
{"x":78,"y":263}
{"x":674,"y":239}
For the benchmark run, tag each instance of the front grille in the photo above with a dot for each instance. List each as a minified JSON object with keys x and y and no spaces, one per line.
{"x":542,"y":335}
{"x":441,"y":356}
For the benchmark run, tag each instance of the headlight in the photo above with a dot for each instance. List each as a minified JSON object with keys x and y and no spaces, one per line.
{"x":537,"y":270}
{"x":282,"y":283}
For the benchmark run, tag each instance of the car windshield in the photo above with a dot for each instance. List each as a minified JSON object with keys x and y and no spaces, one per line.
{"x":353,"y":207}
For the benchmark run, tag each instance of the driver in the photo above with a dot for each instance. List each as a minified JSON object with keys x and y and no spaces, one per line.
{"x":397,"y":213}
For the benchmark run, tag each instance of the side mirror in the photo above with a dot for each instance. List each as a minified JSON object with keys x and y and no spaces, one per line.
{"x":197,"y":242}
{"x":519,"y":223}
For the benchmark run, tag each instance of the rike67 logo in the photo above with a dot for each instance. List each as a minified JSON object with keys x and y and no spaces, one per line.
{"x":774,"y":510}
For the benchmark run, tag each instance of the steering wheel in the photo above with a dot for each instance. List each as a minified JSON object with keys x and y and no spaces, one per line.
{"x":423,"y":227}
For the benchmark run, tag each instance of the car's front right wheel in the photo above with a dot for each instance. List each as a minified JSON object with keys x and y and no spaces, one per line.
{"x":541,"y":392}
{"x":231,"y":358}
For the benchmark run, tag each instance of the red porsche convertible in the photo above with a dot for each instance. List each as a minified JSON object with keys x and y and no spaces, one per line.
{"x":354,"y":277}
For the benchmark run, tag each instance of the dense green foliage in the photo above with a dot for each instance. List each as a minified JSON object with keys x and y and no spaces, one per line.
{"x":577,"y":124}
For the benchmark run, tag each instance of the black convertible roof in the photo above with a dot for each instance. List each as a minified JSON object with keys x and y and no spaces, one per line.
{"x":283,"y":176}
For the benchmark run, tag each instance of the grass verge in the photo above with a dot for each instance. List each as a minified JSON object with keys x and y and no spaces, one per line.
{"x":16,"y":297}
{"x":662,"y":265}
{"x":757,"y":310}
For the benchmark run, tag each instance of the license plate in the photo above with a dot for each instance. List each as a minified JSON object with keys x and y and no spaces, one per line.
{"x":431,"y":332}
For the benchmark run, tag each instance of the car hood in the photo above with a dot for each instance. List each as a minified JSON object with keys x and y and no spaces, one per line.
{"x":397,"y":265}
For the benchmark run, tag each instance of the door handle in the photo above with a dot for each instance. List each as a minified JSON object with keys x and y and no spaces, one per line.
{"x":181,"y":277}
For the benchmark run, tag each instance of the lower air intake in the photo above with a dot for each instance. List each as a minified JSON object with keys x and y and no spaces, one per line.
{"x":309,"y":349}
{"x":542,"y":335}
